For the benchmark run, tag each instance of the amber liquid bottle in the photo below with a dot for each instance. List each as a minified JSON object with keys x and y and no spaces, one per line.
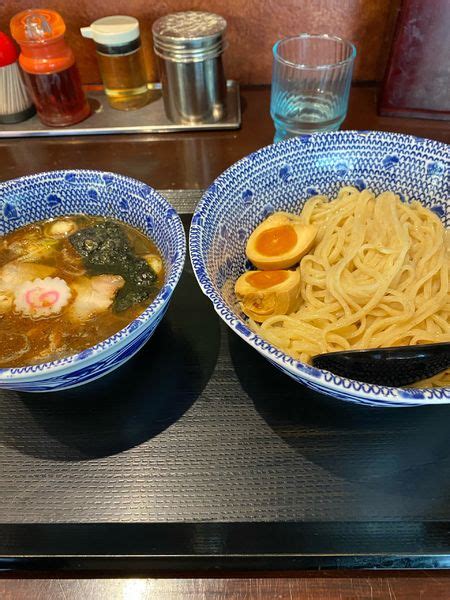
{"x":124,"y":79}
{"x":119,"y":53}
{"x":50,"y":72}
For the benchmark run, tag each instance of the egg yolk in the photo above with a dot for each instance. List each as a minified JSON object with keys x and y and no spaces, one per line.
{"x":276,"y":240}
{"x":266,"y":279}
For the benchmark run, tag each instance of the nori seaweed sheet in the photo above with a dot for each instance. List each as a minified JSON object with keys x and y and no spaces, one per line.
{"x":105,"y":249}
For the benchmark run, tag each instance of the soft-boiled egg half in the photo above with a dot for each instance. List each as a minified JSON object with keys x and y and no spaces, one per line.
{"x":263,"y":294}
{"x":279,"y":242}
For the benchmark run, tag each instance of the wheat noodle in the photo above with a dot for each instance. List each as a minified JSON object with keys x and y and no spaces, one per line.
{"x":378,"y":276}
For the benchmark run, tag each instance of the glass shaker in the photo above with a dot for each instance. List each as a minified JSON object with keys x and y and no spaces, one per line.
{"x":15,"y":102}
{"x":119,"y":53}
{"x":50,"y":72}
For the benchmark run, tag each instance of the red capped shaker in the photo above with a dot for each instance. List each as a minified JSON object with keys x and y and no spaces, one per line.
{"x":15,"y":103}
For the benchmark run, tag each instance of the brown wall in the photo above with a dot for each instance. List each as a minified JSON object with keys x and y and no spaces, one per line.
{"x":254,"y":25}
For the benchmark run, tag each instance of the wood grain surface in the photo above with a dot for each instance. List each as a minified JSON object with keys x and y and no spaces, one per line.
{"x":253,"y":27}
{"x":421,"y":585}
{"x":189,"y":160}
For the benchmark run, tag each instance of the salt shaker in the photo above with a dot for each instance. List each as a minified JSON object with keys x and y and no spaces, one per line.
{"x":190,"y":46}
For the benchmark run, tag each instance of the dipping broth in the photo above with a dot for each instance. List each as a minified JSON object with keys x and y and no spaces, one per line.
{"x":68,"y":283}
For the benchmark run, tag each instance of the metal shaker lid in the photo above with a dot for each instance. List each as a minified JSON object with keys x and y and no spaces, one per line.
{"x":189,"y":36}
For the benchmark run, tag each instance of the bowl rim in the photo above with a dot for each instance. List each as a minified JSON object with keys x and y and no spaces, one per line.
{"x":137,"y":325}
{"x":358,"y":390}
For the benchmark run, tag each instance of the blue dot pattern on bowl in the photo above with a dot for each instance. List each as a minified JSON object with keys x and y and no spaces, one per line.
{"x":282,"y":177}
{"x":58,"y":193}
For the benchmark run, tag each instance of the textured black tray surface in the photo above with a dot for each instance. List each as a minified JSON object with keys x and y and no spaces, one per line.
{"x":201,"y":440}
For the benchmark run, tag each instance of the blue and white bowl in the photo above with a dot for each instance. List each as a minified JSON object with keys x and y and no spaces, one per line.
{"x":58,"y":193}
{"x":282,"y":177}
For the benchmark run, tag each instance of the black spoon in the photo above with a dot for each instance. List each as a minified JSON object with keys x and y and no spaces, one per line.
{"x":395,"y":366}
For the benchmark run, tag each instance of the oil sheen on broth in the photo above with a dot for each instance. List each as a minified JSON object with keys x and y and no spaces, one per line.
{"x":68,"y":283}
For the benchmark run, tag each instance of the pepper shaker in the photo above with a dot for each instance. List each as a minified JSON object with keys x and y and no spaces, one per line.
{"x":190,"y":46}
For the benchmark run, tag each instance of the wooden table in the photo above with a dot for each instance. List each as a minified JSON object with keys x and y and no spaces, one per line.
{"x":423,"y":585}
{"x":192,"y":161}
{"x":188,"y":160}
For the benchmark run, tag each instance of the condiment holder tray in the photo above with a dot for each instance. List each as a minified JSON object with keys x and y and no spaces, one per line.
{"x":149,"y":119}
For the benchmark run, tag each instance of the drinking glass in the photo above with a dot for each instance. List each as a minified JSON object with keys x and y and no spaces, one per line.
{"x":310,"y":84}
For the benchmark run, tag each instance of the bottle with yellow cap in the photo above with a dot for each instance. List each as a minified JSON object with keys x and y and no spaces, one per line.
{"x":50,"y":72}
{"x":119,"y":53}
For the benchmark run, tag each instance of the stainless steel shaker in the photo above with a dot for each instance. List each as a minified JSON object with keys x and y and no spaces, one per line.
{"x":190,"y":46}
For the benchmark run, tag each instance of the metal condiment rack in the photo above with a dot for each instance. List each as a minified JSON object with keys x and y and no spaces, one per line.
{"x":149,"y":119}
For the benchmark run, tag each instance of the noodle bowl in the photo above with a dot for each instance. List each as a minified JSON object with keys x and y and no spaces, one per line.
{"x":279,"y":179}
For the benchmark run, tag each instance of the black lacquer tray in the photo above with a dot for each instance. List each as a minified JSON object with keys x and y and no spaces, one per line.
{"x":198,"y":454}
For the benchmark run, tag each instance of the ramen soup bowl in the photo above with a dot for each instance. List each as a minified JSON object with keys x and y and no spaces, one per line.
{"x":57,"y":193}
{"x":280,"y":178}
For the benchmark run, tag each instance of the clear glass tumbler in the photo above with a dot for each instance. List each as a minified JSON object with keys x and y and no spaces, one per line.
{"x":311,"y":81}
